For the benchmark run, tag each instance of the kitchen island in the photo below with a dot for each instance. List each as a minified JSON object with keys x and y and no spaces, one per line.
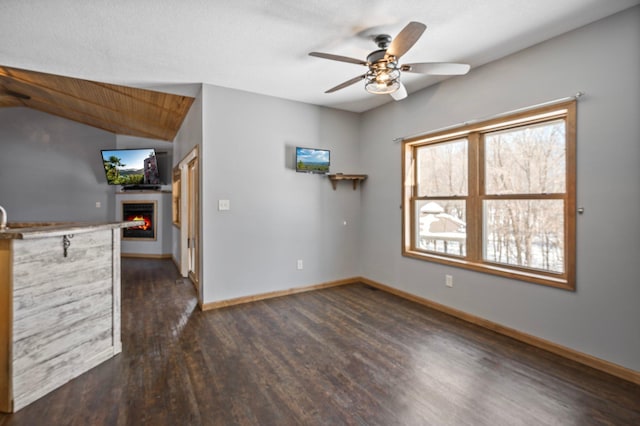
{"x":59,"y":305}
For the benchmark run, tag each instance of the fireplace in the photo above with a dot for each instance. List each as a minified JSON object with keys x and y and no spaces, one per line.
{"x":139,"y":210}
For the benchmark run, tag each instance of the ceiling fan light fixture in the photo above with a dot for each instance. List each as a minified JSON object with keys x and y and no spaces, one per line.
{"x":381,"y":88}
{"x":382,"y":81}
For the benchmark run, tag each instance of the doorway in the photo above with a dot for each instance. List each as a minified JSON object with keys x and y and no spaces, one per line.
{"x":193,"y":224}
{"x":190,"y":226}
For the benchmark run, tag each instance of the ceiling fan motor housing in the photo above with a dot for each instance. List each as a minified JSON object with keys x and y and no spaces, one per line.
{"x":384,"y":73}
{"x":383,"y":41}
{"x":376,"y":56}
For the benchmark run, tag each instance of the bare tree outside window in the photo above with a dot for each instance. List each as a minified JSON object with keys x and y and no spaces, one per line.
{"x":442,"y":169}
{"x":442,"y":172}
{"x":526,"y":161}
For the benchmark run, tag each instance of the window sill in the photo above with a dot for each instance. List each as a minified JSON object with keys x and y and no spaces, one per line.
{"x":515,"y":274}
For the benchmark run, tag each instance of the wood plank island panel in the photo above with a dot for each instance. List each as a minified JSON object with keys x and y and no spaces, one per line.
{"x":63,"y":311}
{"x":5,"y":324}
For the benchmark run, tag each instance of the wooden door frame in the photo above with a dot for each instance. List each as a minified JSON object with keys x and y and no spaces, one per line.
{"x":183,"y":166}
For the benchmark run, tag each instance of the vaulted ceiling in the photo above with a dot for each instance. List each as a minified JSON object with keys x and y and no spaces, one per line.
{"x":118,"y":109}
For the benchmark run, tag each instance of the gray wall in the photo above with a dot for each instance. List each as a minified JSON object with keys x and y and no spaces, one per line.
{"x":277,"y":216}
{"x":602,"y":317}
{"x":50,"y":168}
{"x":190,"y":133}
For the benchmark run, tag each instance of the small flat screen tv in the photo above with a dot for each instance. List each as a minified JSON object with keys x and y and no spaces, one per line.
{"x":131,"y":166}
{"x":312,"y":160}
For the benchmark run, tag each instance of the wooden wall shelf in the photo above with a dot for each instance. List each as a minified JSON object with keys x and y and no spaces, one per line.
{"x":353,"y":178}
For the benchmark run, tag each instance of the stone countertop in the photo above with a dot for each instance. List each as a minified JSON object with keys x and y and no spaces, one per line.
{"x":25,"y":231}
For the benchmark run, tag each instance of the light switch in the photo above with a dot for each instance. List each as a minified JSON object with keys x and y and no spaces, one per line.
{"x":224,"y":205}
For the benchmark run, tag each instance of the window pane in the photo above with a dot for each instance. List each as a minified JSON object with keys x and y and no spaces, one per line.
{"x":526,"y":160}
{"x":442,"y":226}
{"x":442,"y":169}
{"x":526,"y":233}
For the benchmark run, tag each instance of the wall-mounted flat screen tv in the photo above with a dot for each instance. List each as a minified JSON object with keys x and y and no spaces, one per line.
{"x":312,"y":160}
{"x":131,"y":166}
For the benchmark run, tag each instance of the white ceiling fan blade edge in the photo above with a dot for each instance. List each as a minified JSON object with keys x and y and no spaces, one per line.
{"x":438,"y":68}
{"x":400,"y":94}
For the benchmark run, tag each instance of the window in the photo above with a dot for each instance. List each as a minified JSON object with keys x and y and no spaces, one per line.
{"x":496,"y":196}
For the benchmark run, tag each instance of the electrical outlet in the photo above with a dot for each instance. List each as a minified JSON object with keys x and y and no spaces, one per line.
{"x":300,"y":264}
{"x":98,"y":204}
{"x":224,"y":205}
{"x":448,"y":280}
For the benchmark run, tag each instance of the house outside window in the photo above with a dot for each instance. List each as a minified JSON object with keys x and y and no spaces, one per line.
{"x":496,"y":196}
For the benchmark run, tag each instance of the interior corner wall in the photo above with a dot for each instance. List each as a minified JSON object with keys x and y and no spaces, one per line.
{"x":50,"y":168}
{"x":601,"y":317}
{"x":188,"y":137}
{"x":190,"y":133}
{"x":277,"y":216}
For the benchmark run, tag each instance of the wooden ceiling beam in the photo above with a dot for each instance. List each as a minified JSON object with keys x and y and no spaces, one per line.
{"x":131,"y":110}
{"x":84,"y":112}
{"x":100,"y":123}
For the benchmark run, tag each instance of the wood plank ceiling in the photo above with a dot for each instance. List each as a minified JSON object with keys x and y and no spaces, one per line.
{"x":118,"y":109}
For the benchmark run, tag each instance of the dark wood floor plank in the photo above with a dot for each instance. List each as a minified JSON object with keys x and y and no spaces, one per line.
{"x":350,"y":355}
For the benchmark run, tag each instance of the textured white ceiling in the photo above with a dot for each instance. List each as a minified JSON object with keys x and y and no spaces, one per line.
{"x":261,"y":46}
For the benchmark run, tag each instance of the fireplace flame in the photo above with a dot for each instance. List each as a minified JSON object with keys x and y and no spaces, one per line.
{"x":147,"y":222}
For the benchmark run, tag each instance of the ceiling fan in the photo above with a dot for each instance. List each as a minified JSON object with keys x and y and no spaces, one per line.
{"x":383,"y":76}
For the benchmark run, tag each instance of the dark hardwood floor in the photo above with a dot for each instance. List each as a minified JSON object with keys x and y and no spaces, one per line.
{"x":348,"y":355}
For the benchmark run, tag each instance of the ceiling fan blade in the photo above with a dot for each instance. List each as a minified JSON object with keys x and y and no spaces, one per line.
{"x":400,"y":94}
{"x":405,"y":39}
{"x":338,"y":58}
{"x":436,"y":68}
{"x":346,"y":83}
